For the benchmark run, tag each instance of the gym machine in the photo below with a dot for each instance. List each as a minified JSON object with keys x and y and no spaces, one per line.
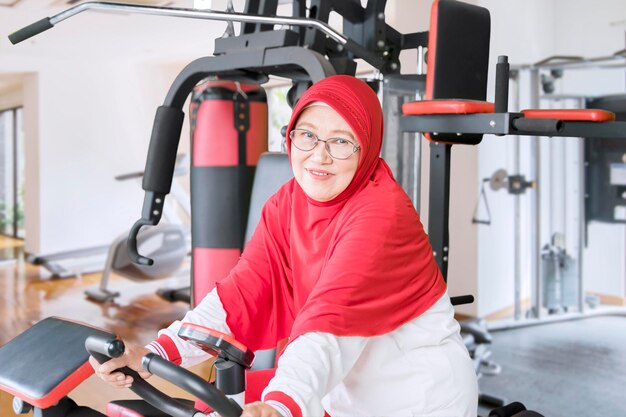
{"x":168,"y":243}
{"x":455,"y":111}
{"x":570,"y":181}
{"x":57,"y":350}
{"x":306,"y":52}
{"x":309,"y":54}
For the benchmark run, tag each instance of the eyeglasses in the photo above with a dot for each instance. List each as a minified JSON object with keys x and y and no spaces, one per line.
{"x":338,"y":148}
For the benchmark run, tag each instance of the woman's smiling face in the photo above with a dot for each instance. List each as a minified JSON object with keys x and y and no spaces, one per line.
{"x":321,"y":176}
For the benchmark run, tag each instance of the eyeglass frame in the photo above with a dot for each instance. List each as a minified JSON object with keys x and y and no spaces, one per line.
{"x":355,"y":148}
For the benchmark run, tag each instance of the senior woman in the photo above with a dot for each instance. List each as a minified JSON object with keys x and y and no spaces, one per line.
{"x":341,"y":266}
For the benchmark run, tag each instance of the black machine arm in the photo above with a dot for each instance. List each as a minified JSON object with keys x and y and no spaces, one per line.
{"x":103,"y":348}
{"x":168,"y":120}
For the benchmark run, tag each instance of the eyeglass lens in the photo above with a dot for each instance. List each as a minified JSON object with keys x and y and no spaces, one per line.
{"x":339,"y":148}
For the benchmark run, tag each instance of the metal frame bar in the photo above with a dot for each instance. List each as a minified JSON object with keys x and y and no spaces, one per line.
{"x":309,"y":64}
{"x":15,"y":172}
{"x":617,"y":60}
{"x":313,"y":66}
{"x":502,"y":124}
{"x":439,"y":204}
{"x":536,"y":289}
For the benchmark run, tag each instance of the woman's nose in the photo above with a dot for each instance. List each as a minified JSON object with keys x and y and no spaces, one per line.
{"x":320,"y":153}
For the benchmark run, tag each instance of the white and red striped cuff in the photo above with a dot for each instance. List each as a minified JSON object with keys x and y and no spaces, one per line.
{"x":280,"y":407}
{"x":166,"y":348}
{"x":283,"y":403}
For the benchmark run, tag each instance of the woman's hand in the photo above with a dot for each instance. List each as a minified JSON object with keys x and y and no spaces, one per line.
{"x":259,"y":409}
{"x":132,"y":358}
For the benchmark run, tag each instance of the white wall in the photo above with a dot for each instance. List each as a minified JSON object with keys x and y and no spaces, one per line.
{"x":93,"y":121}
{"x":89,"y":102}
{"x":86,"y":122}
{"x":11,"y":97}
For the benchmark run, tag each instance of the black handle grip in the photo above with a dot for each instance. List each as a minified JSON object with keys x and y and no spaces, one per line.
{"x":30,"y":30}
{"x":103,"y":348}
{"x":541,"y":126}
{"x":191,"y":383}
{"x":501,"y":104}
{"x":162,"y":153}
{"x":131,"y":243}
{"x":158,"y":175}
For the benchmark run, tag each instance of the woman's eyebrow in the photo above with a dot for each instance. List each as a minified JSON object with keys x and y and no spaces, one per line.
{"x":305,"y":124}
{"x":345,"y":132}
{"x":334,"y":132}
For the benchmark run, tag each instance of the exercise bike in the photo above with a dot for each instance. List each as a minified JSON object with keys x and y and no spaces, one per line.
{"x":51,"y":358}
{"x":169,"y":243}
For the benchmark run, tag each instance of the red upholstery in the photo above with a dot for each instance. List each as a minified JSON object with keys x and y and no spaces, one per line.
{"x":47,"y":361}
{"x":212,"y":133}
{"x":446,"y":107}
{"x":61,"y":390}
{"x":432,"y":51}
{"x":211,"y":262}
{"x":574,"y":115}
{"x":444,"y":52}
{"x":256,"y":381}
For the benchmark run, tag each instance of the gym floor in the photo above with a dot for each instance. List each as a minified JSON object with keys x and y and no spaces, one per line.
{"x":573,"y":368}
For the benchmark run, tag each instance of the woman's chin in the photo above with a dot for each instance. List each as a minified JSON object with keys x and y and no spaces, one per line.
{"x":319,"y":195}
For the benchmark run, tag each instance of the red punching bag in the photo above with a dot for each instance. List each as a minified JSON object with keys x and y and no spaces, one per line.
{"x":228,"y":134}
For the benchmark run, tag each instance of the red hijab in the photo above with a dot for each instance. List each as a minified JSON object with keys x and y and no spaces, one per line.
{"x":358,"y":265}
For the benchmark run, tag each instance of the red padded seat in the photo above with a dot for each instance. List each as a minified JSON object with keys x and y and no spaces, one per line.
{"x":574,"y":115}
{"x":444,"y":106}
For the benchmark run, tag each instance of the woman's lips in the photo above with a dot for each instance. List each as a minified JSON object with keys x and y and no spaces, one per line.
{"x":318,"y":174}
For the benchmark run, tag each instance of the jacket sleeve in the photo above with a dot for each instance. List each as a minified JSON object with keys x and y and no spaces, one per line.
{"x":310,"y":367}
{"x":209,"y":313}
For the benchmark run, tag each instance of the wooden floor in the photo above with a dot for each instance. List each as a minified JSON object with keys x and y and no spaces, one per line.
{"x":28,"y":294}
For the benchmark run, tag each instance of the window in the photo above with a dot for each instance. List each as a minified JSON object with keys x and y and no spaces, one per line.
{"x":279,"y":114}
{"x":11,"y":173}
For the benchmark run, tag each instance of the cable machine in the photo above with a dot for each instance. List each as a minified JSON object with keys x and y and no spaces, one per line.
{"x":556,"y":262}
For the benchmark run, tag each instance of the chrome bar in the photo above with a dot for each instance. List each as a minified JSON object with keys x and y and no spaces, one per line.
{"x":199,"y":14}
{"x":535,"y":209}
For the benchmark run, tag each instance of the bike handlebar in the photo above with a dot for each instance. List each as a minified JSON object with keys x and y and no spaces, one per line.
{"x":103,"y":348}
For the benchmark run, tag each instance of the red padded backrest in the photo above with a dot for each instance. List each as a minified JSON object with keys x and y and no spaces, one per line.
{"x":458,"y":62}
{"x":458,"y":51}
